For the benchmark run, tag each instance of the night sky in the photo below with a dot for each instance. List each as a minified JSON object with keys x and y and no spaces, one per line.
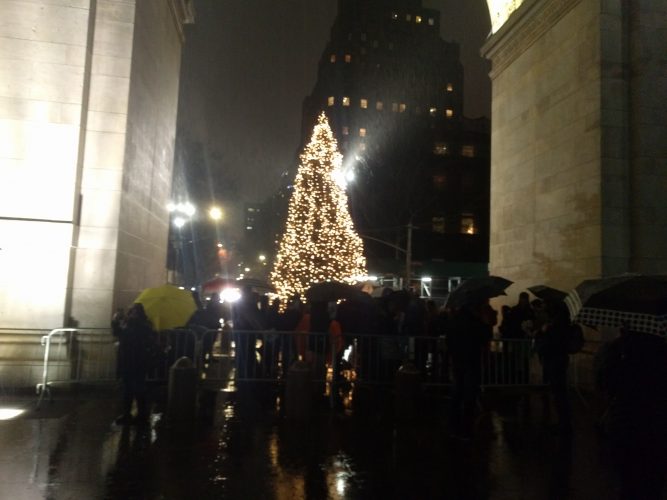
{"x":247,"y":66}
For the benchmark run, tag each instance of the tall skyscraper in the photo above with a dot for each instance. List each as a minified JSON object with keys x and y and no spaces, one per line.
{"x":393,"y":91}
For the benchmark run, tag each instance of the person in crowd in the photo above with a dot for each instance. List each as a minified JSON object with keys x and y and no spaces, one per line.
{"x":631,"y":371}
{"x":552,"y":346}
{"x":136,"y":349}
{"x":517,"y":353}
{"x":470,"y":331}
{"x":247,"y":320}
{"x":521,"y":318}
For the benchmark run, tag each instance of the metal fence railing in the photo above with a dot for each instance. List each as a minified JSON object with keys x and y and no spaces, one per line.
{"x":224,"y":356}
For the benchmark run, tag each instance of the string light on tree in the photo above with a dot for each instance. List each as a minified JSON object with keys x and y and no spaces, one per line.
{"x":319,"y":243}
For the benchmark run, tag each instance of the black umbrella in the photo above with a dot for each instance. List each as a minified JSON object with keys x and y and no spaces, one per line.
{"x":636,"y":302}
{"x":329,"y":291}
{"x":475,"y":290}
{"x":547,"y":293}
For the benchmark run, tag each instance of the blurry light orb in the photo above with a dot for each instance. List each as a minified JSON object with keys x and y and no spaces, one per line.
{"x":171,"y":206}
{"x":215,"y":213}
{"x":230,"y":295}
{"x":179,"y":222}
{"x":9,"y":413}
{"x":247,"y":269}
{"x":189,"y":209}
{"x":262,"y":258}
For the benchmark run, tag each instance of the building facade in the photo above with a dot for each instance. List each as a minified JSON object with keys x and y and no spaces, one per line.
{"x":417,"y":169}
{"x":88,"y":106}
{"x":579,"y":148}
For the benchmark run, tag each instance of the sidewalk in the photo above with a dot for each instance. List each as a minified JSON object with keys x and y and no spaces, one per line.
{"x":72,"y":450}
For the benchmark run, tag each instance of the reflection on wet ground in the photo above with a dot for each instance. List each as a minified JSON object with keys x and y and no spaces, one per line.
{"x":249,"y":451}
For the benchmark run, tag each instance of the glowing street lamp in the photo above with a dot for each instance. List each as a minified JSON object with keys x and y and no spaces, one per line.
{"x":215,"y":213}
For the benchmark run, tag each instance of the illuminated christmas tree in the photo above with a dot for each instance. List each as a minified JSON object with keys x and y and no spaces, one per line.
{"x":319,"y":243}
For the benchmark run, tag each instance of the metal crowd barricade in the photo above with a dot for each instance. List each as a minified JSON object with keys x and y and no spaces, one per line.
{"x":223,"y":357}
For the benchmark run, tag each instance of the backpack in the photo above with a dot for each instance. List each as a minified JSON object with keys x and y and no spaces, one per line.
{"x":575,"y":341}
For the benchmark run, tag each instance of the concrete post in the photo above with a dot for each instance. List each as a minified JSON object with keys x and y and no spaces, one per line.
{"x":408,"y":391}
{"x":298,"y":393}
{"x":182,"y":403}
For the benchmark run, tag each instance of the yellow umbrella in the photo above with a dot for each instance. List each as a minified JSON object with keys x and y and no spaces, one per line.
{"x":167,"y":306}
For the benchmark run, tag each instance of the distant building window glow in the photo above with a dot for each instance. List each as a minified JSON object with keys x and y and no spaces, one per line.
{"x":348,"y":58}
{"x":379,"y":106}
{"x":439,"y":182}
{"x":408,"y":17}
{"x":362,"y":146}
{"x":449,"y":113}
{"x":440,"y":149}
{"x":433,"y":111}
{"x":333,"y":58}
{"x":346,"y":101}
{"x":394,"y":107}
{"x":418,"y":19}
{"x":364,"y":103}
{"x":346,"y":130}
{"x":331,"y":101}
{"x":401,"y":108}
{"x":450,"y":87}
{"x":468,"y":224}
{"x":375,"y":44}
{"x":468,"y":151}
{"x":362,"y":132}
{"x":431,"y":21}
{"x":438,"y":225}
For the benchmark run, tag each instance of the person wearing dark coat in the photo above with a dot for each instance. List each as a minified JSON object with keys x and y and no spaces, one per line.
{"x":470,"y":331}
{"x":136,"y":347}
{"x":552,"y":345}
{"x":632,"y":373}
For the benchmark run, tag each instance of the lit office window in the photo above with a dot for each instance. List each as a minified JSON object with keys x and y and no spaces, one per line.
{"x":362,"y":132}
{"x":431,"y":21}
{"x":332,"y":58}
{"x":362,"y":146}
{"x":364,"y":103}
{"x":440,"y":149}
{"x":449,"y":113}
{"x":450,"y":87}
{"x":408,"y":17}
{"x":348,"y":58}
{"x":433,"y":111}
{"x":346,"y":101}
{"x":379,"y":105}
{"x":418,"y":19}
{"x":438,"y":225}
{"x":402,"y":107}
{"x":394,"y":107}
{"x":346,"y":130}
{"x":468,"y":224}
{"x":331,"y":101}
{"x":468,"y":151}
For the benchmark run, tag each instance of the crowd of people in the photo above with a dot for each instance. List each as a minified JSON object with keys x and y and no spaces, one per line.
{"x":446,"y":342}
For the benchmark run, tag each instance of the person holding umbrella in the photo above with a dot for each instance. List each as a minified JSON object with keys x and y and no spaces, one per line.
{"x":631,"y":371}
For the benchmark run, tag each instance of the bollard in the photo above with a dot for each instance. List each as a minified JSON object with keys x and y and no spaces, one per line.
{"x":298,"y":393}
{"x":182,"y":403}
{"x":408,"y":391}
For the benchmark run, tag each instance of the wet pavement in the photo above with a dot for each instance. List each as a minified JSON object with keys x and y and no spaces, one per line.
{"x":72,"y":450}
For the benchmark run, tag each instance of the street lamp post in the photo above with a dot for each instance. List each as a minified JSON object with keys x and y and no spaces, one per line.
{"x":406,"y":251}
